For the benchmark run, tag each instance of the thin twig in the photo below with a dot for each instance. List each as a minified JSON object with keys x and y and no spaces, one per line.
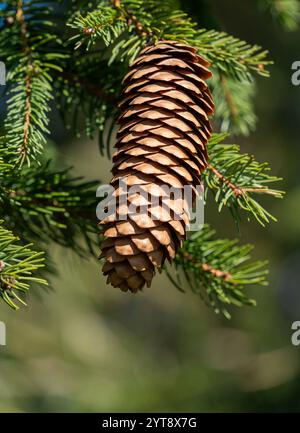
{"x":28,"y":79}
{"x":24,"y":149}
{"x":236,"y":190}
{"x":228,"y":97}
{"x":131,"y":19}
{"x":208,"y":268}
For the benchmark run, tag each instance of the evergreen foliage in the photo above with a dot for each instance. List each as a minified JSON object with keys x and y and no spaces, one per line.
{"x":285,"y":12}
{"x":74,"y":54}
{"x":236,"y":179}
{"x":17,"y":264}
{"x":218,"y":270}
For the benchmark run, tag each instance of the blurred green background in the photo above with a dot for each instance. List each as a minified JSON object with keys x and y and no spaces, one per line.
{"x":88,"y":347}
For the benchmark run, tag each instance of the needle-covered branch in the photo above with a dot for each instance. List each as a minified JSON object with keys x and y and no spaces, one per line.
{"x":18,"y":268}
{"x":81,"y":93}
{"x":218,"y":270}
{"x":44,"y":204}
{"x":237,"y":179}
{"x":234,"y":102}
{"x":124,"y":27}
{"x":31,"y":49}
{"x":115,"y":26}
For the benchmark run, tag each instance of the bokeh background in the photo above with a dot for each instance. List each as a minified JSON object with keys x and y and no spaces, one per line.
{"x":87,"y":347}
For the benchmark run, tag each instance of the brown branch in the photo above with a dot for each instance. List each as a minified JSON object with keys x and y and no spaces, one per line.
{"x":228,"y":97}
{"x":208,"y":268}
{"x":236,"y":190}
{"x":92,"y":30}
{"x":20,"y":18}
{"x":24,"y":149}
{"x":131,"y":19}
{"x":7,"y":282}
{"x":261,"y":191}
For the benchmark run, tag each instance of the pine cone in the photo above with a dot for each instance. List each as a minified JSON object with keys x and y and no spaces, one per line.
{"x":164,"y":128}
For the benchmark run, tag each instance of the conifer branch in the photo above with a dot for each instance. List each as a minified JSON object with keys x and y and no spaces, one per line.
{"x":132,"y":20}
{"x":233,"y":61}
{"x":235,"y":178}
{"x":23,"y":150}
{"x":228,"y":97}
{"x":206,"y":267}
{"x":82,"y":92}
{"x":237,"y":191}
{"x":234,"y":104}
{"x":29,"y":84}
{"x":45,"y":205}
{"x":232,"y":56}
{"x":218,"y":270}
{"x":18,"y":263}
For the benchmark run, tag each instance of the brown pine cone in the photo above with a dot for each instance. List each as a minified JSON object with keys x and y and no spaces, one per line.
{"x":164,"y":128}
